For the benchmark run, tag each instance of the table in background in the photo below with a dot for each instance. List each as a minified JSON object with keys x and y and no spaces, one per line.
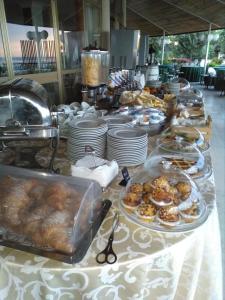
{"x":192,"y":74}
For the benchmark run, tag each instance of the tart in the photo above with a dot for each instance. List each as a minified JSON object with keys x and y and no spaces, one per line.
{"x":146,"y":212}
{"x":168,"y":216}
{"x":186,"y":165}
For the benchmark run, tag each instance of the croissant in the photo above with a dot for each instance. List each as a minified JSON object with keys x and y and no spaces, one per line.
{"x":13,"y":204}
{"x":56,"y":194}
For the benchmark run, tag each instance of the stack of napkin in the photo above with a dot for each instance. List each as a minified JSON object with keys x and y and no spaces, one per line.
{"x":95,"y":168}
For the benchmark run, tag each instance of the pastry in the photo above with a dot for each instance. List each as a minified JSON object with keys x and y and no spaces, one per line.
{"x":184,"y":188}
{"x":147,"y":187}
{"x":56,"y":194}
{"x":136,"y":188}
{"x":131,"y":199}
{"x":13,"y":204}
{"x":173,"y":191}
{"x":162,"y":197}
{"x":182,"y":163}
{"x":190,"y":214}
{"x":168,"y":215}
{"x":146,"y":212}
{"x":43,"y":213}
{"x":147,"y":198}
{"x":161,"y":182}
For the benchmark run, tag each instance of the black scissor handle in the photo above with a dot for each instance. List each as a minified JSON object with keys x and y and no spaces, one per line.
{"x":101,"y":257}
{"x":108,"y":255}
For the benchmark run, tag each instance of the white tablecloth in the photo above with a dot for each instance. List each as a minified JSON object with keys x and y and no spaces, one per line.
{"x":151,"y":265}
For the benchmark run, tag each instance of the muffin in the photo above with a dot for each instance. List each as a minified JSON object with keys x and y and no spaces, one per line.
{"x":147,"y":198}
{"x":173,"y":191}
{"x":168,"y":216}
{"x":147,"y":187}
{"x":131,"y":201}
{"x":161,"y":182}
{"x":161,"y":197}
{"x":136,"y":188}
{"x":146,"y":212}
{"x":191,"y":214}
{"x":184,"y":188}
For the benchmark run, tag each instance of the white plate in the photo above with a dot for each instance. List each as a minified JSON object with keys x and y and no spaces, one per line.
{"x":117,"y":120}
{"x":127,"y":133}
{"x":85,"y":124}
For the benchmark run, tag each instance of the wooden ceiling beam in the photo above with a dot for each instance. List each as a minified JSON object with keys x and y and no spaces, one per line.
{"x":147,"y":19}
{"x":191,"y":13}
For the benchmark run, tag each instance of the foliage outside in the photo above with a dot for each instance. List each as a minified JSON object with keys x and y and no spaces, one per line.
{"x":191,"y":47}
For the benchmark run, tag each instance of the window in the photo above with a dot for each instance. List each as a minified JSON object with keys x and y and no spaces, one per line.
{"x":31,"y":36}
{"x":3,"y":68}
{"x":71,"y":32}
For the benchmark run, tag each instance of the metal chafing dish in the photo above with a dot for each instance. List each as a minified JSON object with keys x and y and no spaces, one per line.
{"x":25,"y":117}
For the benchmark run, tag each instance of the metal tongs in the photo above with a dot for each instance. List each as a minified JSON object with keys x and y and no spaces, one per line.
{"x":108,"y":255}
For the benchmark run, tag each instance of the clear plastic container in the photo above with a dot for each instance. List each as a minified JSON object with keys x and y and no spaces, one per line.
{"x":187,"y":134}
{"x":183,"y":156}
{"x":48,"y":214}
{"x":91,"y":68}
{"x":161,"y":198}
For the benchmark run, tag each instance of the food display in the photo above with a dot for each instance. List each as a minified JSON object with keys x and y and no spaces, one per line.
{"x":182,"y":156}
{"x":167,"y":202}
{"x":144,"y":98}
{"x":187,"y":134}
{"x":48,"y":212}
{"x":191,"y":112}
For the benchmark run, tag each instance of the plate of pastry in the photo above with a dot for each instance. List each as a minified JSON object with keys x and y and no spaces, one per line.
{"x":169,"y":201}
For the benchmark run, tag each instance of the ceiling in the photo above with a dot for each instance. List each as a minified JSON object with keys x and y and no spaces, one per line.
{"x":175,"y":16}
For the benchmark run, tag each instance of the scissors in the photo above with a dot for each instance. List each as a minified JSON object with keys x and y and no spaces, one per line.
{"x":108,"y":255}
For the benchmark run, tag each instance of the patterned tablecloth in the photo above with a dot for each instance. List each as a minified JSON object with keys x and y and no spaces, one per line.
{"x":151,"y":265}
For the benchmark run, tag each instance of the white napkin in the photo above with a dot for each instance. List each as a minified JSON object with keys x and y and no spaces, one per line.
{"x":104,"y":172}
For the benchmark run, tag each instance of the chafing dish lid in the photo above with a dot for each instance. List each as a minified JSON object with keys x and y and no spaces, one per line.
{"x":23,"y":102}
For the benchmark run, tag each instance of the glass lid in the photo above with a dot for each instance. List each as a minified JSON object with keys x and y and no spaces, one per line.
{"x":182,"y":156}
{"x":164,"y":199}
{"x":187,"y":134}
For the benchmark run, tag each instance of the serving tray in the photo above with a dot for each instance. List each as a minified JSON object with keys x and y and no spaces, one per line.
{"x":19,"y":243}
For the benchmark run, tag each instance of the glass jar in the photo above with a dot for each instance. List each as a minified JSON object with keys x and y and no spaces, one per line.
{"x":91,"y":67}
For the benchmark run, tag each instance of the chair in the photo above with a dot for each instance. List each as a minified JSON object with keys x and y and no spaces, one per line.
{"x":220,"y":81}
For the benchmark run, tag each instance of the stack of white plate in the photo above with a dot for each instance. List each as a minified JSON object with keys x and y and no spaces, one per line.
{"x":118,"y":121}
{"x":128,"y":146}
{"x":86,"y":132}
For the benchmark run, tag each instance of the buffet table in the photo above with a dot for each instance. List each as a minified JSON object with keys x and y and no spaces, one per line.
{"x":150,"y":265}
